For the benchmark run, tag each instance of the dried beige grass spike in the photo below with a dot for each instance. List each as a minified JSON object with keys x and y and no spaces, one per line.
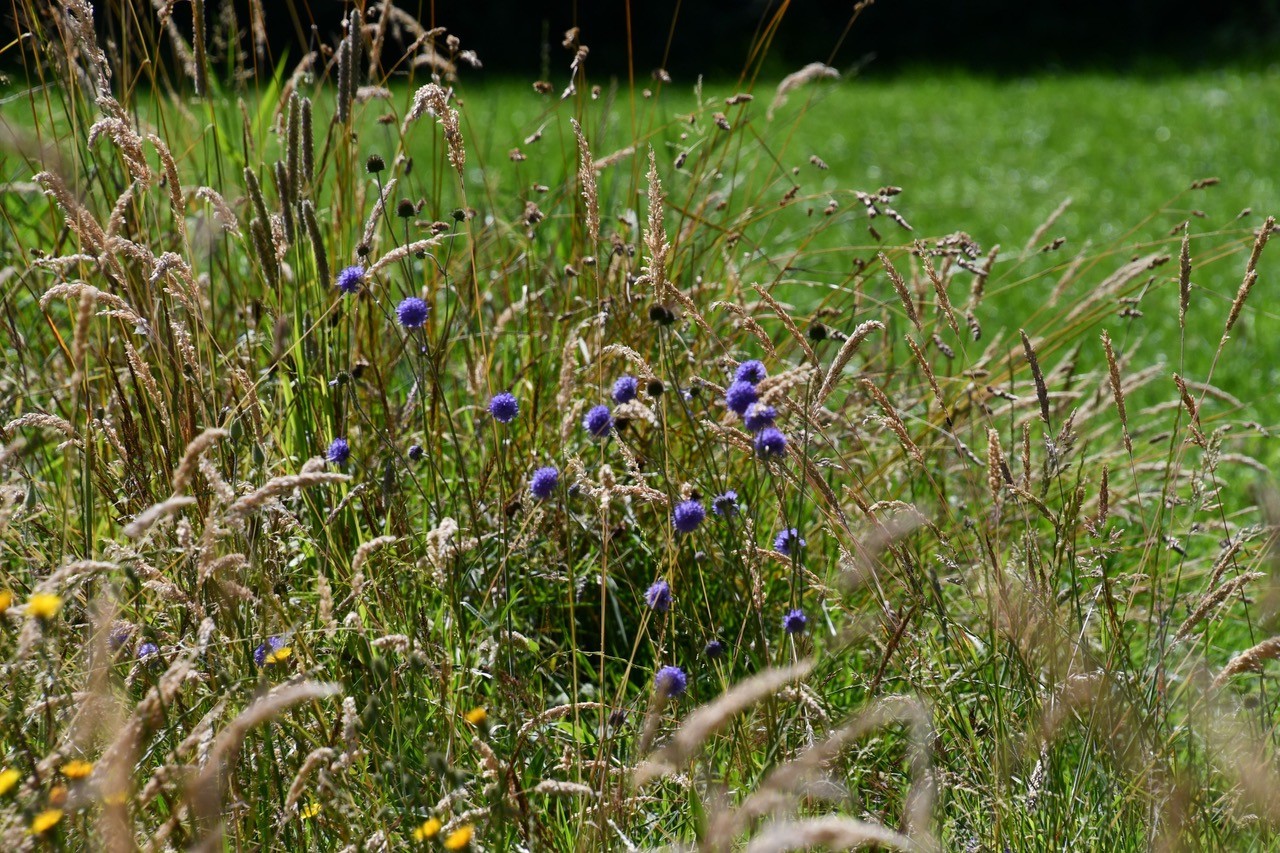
{"x":900,"y":287}
{"x":655,"y":235}
{"x":830,"y":832}
{"x":1184,"y":279}
{"x":433,"y":100}
{"x":191,"y":457}
{"x":1117,"y":389}
{"x":78,"y":219}
{"x":790,"y":324}
{"x":1042,"y":391}
{"x":708,"y":719}
{"x":1249,"y":660}
{"x":894,"y":421}
{"x":143,"y":521}
{"x":796,"y":79}
{"x":281,"y":486}
{"x":1039,"y":233}
{"x":846,"y":352}
{"x":587,"y":178}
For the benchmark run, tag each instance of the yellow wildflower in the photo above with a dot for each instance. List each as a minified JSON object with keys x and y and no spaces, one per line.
{"x":6,"y":600}
{"x":58,"y":796}
{"x":44,"y":605}
{"x":117,"y":799}
{"x":279,"y":655}
{"x":45,"y":821}
{"x":77,"y":769}
{"x":8,"y":779}
{"x":309,"y":811}
{"x":459,"y":838}
{"x":428,"y":830}
{"x":476,"y":716}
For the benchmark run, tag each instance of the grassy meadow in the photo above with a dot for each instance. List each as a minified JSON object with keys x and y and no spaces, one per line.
{"x":417,"y":461}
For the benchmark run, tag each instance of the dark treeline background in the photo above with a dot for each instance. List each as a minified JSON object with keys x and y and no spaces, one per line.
{"x":713,"y":37}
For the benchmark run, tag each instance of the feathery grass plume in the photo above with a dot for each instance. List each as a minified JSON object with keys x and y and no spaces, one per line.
{"x":80,"y":344}
{"x":655,"y":234}
{"x":1068,"y":276}
{"x":358,"y":561}
{"x":1117,"y":280}
{"x":1250,"y":660}
{"x":745,"y":320}
{"x":431,"y":99}
{"x":1042,"y":391}
{"x":204,"y":795}
{"x":707,"y":720}
{"x":830,"y":832}
{"x":369,"y":234}
{"x":587,"y":180}
{"x":284,"y":192}
{"x":1117,"y":389}
{"x":997,"y":468}
{"x":264,"y":250}
{"x":127,"y":142}
{"x":1104,"y":499}
{"x":939,"y":289}
{"x":1192,"y":409}
{"x":796,"y":79}
{"x":317,"y":241}
{"x":1184,"y":279}
{"x":1250,"y":277}
{"x":790,"y":324}
{"x":403,"y":251}
{"x":222,"y":211}
{"x":845,"y":353}
{"x":198,"y":41}
{"x":1210,"y":601}
{"x":191,"y":457}
{"x":927,"y":369}
{"x":314,"y":760}
{"x":278,"y":486}
{"x":41,"y":419}
{"x":143,"y":521}
{"x":977,"y":289}
{"x":77,"y":217}
{"x":177,"y":203}
{"x":900,"y":287}
{"x":894,"y":421}
{"x":1038,"y":234}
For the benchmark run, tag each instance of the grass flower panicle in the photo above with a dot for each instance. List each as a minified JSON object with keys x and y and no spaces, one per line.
{"x":770,"y":443}
{"x":504,"y":407}
{"x":543,"y":483}
{"x":598,"y":421}
{"x":794,"y":621}
{"x":671,"y":682}
{"x":349,"y":279}
{"x":740,"y":395}
{"x":625,"y":389}
{"x":750,"y":371}
{"x":658,"y":596}
{"x":688,"y":515}
{"x":412,"y":312}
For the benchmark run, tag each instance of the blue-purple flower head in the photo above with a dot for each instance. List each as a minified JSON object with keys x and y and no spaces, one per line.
{"x":688,"y":515}
{"x":416,"y":452}
{"x":770,"y":442}
{"x":758,"y":416}
{"x":658,"y":596}
{"x":625,"y":389}
{"x":146,"y":650}
{"x":543,"y":482}
{"x":750,"y":371}
{"x":787,"y":539}
{"x":714,"y":649}
{"x":267,"y":649}
{"x":598,"y":421}
{"x":349,"y":279}
{"x":671,"y":681}
{"x":739,"y":396}
{"x":794,"y":621}
{"x":504,"y":407}
{"x":726,"y":504}
{"x":412,"y":312}
{"x":339,"y":451}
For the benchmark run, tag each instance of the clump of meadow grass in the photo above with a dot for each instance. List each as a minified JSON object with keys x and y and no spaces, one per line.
{"x":362,"y":492}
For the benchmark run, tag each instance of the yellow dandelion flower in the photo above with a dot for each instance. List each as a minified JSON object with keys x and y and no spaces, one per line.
{"x":77,"y":769}
{"x":459,"y":838}
{"x":477,"y":716}
{"x":45,"y":821}
{"x":279,"y":655}
{"x":6,"y":600}
{"x":117,"y":799}
{"x":8,"y":779}
{"x":44,"y":605}
{"x":309,"y":811}
{"x":428,"y":830}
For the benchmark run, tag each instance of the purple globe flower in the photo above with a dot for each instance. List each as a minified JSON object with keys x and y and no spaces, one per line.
{"x":625,"y":389}
{"x":725,"y":505}
{"x":504,"y":407}
{"x":750,"y":371}
{"x":270,"y":647}
{"x":339,"y":451}
{"x":770,"y":442}
{"x":599,"y":421}
{"x":543,"y":482}
{"x":688,"y":515}
{"x":758,"y":416}
{"x":740,"y":395}
{"x":794,"y":621}
{"x":349,"y":279}
{"x":714,"y":649}
{"x":416,"y":452}
{"x":413,"y":312}
{"x":671,"y":681}
{"x":119,"y":637}
{"x":659,"y":596}
{"x":783,"y":542}
{"x":146,"y":650}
